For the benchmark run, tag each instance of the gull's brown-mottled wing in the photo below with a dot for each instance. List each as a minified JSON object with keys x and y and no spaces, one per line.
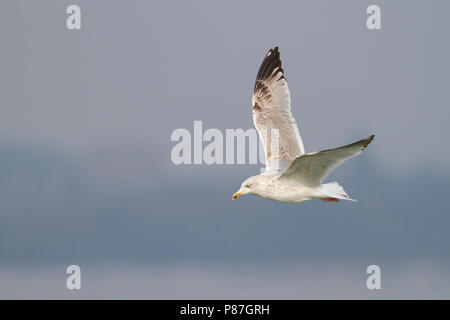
{"x":272,"y":110}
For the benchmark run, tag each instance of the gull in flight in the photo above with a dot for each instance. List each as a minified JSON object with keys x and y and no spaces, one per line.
{"x":291,"y":175}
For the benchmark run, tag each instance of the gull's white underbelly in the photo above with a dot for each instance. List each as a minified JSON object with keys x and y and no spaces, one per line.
{"x":290,"y":193}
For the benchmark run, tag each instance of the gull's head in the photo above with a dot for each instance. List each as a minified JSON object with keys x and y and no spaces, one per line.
{"x":247,"y":187}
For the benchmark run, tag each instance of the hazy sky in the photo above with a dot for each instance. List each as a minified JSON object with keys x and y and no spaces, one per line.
{"x":140,"y":69}
{"x":86,"y":118}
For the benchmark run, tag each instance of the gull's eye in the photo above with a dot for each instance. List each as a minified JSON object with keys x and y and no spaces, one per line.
{"x":248,"y":185}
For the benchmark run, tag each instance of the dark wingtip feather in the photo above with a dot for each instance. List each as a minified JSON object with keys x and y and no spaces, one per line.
{"x":360,"y":144}
{"x":367,"y":141}
{"x":271,"y":63}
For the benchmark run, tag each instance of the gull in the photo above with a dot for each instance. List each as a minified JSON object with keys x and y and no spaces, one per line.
{"x":291,"y":175}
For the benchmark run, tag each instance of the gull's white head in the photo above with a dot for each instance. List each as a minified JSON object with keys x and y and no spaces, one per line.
{"x":249,"y":186}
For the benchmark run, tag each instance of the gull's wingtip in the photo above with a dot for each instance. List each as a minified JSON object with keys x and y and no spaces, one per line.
{"x":367,"y":141}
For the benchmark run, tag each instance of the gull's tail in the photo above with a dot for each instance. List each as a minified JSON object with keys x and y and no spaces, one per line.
{"x":333,"y":192}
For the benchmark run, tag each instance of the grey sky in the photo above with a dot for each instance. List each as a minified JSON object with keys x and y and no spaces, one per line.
{"x":137,"y":70}
{"x":86,"y":118}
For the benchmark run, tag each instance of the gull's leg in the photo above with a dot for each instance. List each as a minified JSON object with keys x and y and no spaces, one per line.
{"x":329,"y":199}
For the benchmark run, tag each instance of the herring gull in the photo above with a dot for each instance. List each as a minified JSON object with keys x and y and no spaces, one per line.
{"x":291,"y":175}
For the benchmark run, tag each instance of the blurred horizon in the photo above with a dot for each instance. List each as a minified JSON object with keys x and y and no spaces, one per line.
{"x":68,"y":204}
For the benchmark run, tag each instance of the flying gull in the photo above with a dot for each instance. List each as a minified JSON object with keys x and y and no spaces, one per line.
{"x":291,"y":175}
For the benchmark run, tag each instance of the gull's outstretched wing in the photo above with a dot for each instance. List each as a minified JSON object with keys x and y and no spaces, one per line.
{"x":310,"y":169}
{"x":272,"y":110}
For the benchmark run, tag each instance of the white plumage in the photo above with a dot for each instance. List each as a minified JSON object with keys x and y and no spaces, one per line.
{"x":291,"y":175}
